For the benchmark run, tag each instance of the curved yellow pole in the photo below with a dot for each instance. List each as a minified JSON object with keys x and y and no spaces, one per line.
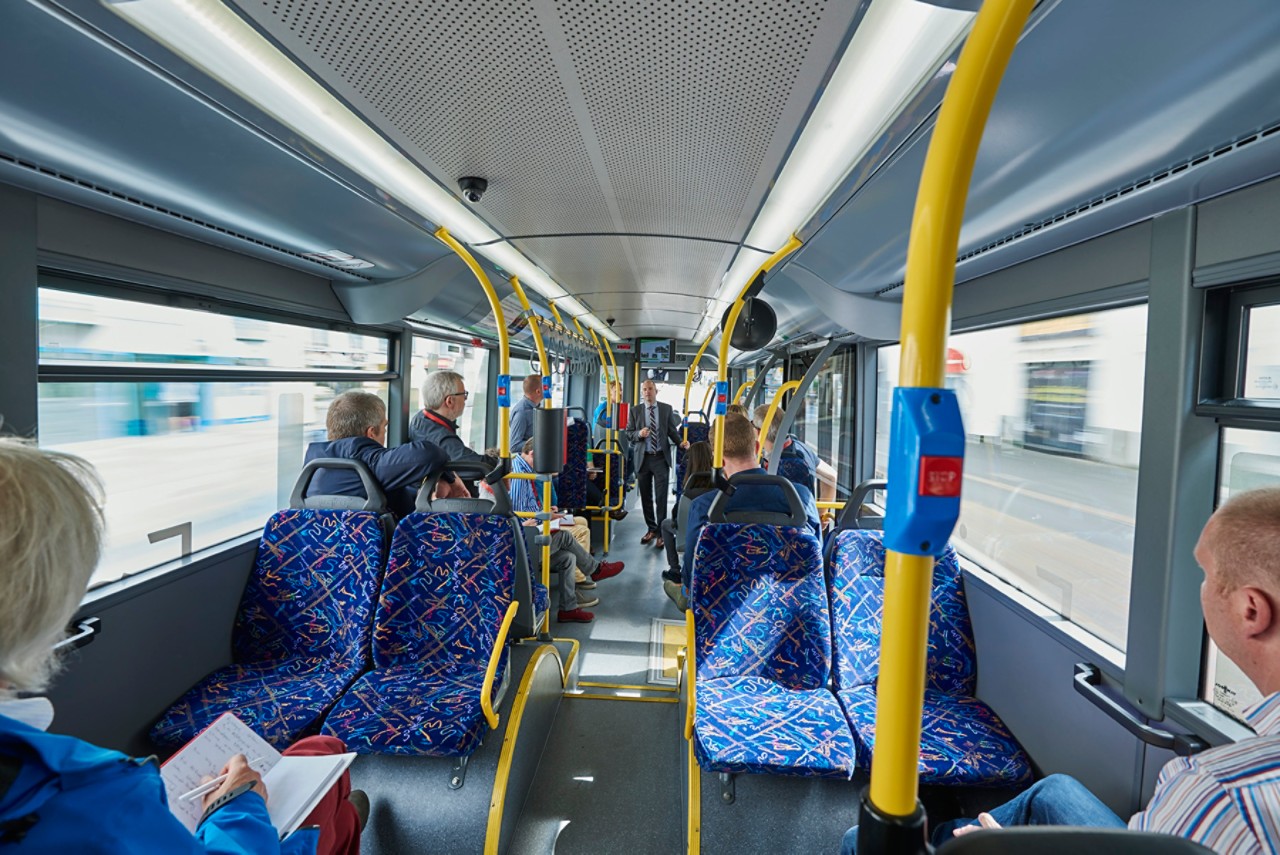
{"x":555,"y":313}
{"x":737,"y":396}
{"x":546,"y":403}
{"x":504,"y":347}
{"x":789,"y":386}
{"x":926,"y":317}
{"x":612,"y":408}
{"x":688,"y":384}
{"x":706,"y":399}
{"x":491,"y":670}
{"x":727,"y":333}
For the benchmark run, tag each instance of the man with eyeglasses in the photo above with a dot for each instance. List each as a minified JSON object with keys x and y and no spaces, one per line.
{"x":444,"y":400}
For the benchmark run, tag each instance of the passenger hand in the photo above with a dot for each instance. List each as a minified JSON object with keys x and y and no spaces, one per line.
{"x":644,"y":432}
{"x":238,"y":772}
{"x":985,"y":820}
{"x":685,"y":445}
{"x":456,"y":490}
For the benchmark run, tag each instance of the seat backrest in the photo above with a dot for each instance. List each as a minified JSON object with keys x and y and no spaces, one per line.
{"x":571,"y":483}
{"x":617,"y":471}
{"x":760,"y":606}
{"x":313,"y":586}
{"x":857,"y":612}
{"x":447,"y":587}
{"x":682,"y":520}
{"x":796,"y":469}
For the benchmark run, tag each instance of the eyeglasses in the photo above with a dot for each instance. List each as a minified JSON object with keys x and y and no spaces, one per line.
{"x":462,"y":395}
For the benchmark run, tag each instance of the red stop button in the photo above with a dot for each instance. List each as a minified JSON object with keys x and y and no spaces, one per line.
{"x":941,"y":476}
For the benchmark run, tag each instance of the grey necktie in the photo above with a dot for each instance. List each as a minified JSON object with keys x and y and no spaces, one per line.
{"x":653,"y":428}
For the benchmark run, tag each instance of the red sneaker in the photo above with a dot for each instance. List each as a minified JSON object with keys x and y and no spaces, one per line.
{"x":575,"y":616}
{"x":606,"y":570}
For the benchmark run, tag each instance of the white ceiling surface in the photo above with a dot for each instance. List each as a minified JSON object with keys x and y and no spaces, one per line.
{"x":587,"y":116}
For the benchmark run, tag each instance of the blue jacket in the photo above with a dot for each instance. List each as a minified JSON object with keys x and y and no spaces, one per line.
{"x":399,"y":471}
{"x":521,"y":427}
{"x":87,"y":799}
{"x":747,"y":497}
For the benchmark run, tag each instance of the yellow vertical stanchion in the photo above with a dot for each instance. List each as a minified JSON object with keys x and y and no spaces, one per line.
{"x":727,"y":333}
{"x":891,"y":819}
{"x":789,"y":386}
{"x":504,"y":349}
{"x":546,"y":403}
{"x":610,"y":383}
{"x":688,"y":385}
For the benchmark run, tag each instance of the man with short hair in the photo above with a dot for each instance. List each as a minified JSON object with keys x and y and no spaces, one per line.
{"x":1226,"y":798}
{"x":652,"y":428}
{"x":741,"y":454}
{"x":522,"y":412}
{"x":444,"y":400}
{"x":356,"y":424}
{"x":524,"y":499}
{"x":820,"y":471}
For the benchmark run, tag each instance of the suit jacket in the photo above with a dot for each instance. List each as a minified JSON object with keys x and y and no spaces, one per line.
{"x":668,"y":429}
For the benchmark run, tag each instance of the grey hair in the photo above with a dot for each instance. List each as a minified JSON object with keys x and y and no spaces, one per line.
{"x":760,"y":413}
{"x":352,"y":414}
{"x":51,"y":538}
{"x":438,"y":386}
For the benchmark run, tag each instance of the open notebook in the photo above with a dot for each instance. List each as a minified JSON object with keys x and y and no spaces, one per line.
{"x":294,"y":784}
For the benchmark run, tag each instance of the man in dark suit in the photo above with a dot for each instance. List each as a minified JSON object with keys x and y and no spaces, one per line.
{"x":652,"y":428}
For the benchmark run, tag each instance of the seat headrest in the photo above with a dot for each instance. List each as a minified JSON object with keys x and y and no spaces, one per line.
{"x":499,"y":503}
{"x":374,"y":499}
{"x":795,"y":516}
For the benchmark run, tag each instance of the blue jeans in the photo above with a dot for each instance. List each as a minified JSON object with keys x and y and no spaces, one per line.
{"x":1055,"y":800}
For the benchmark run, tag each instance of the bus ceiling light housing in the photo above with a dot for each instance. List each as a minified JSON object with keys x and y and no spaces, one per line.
{"x":215,"y":40}
{"x":898,"y":46}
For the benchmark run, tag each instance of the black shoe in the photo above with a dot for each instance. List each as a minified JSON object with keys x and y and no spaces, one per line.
{"x":360,"y":802}
{"x":671,"y":576}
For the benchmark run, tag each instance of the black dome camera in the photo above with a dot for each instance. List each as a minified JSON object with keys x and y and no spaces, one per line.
{"x":610,"y":321}
{"x":472,"y":188}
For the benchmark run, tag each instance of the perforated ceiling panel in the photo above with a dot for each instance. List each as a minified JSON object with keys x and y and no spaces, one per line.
{"x":585,"y":116}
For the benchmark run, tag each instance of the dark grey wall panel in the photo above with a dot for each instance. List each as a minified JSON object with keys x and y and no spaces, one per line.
{"x":1025,"y":674}
{"x":19,"y":330}
{"x":159,"y":636}
{"x":68,"y":233}
{"x":1239,"y":226}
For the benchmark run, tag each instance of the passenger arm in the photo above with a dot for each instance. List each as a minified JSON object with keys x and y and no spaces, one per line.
{"x":826,"y":481}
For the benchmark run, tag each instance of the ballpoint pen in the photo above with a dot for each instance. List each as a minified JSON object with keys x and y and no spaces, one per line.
{"x":210,"y":786}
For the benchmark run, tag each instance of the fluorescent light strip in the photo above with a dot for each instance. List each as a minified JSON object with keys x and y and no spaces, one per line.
{"x":214,"y":39}
{"x":897,"y":47}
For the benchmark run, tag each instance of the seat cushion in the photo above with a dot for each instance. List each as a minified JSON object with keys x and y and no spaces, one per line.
{"x":963,"y":742}
{"x":571,"y":483}
{"x":540,"y":598}
{"x":430,"y":709}
{"x":751,"y":724}
{"x":279,"y":701}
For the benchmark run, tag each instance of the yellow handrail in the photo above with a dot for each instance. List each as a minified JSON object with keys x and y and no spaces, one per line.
{"x":691,"y":661}
{"x":504,"y":347}
{"x":688,"y":384}
{"x":926,"y":314}
{"x":706,"y":400}
{"x":495,"y":656}
{"x":737,"y":396}
{"x":727,"y":333}
{"x":789,"y":386}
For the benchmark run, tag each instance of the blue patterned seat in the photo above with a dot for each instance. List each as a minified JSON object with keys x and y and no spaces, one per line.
{"x":763,"y":644}
{"x":698,"y":432}
{"x":302,"y":634}
{"x":794,"y":468}
{"x":963,"y":741}
{"x":571,"y":483}
{"x":540,"y":598}
{"x":617,"y":473}
{"x":439,"y":618}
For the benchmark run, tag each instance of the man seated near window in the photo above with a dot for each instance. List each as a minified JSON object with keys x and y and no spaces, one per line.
{"x":524,"y":499}
{"x":356,"y":424}
{"x":820,"y":472}
{"x":444,"y":400}
{"x":1226,"y":798}
{"x":741,"y":454}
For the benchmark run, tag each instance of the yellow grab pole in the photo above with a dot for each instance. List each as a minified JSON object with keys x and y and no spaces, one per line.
{"x":555,"y":313}
{"x":688,"y":384}
{"x":727,"y":333}
{"x":504,"y":348}
{"x":926,"y":316}
{"x":610,"y":408}
{"x":789,"y":386}
{"x":737,"y":396}
{"x":537,"y":333}
{"x":706,"y":398}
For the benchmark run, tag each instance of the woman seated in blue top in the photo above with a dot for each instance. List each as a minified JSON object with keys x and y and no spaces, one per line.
{"x":59,"y":793}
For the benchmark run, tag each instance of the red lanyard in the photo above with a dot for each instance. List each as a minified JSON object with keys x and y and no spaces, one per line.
{"x":444,"y":423}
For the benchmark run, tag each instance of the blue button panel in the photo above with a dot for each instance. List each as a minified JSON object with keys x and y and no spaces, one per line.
{"x":922,"y":506}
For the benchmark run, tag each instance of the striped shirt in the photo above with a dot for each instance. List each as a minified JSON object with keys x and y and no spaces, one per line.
{"x":1226,"y":798}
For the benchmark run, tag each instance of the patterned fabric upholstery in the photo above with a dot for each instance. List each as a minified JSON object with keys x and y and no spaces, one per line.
{"x":857,"y":609}
{"x":302,"y":633}
{"x":617,"y":471}
{"x":963,"y":742}
{"x":750,"y":724}
{"x":447,"y":587}
{"x":763,"y":648}
{"x":698,"y":432}
{"x":571,"y":483}
{"x":540,"y":599}
{"x":794,"y":468}
{"x":760,"y":605}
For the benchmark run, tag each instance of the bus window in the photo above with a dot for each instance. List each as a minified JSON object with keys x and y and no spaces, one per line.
{"x":473,"y":364}
{"x":220,"y":454}
{"x":1052,"y":410}
{"x":828,"y":406}
{"x":1262,"y":357}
